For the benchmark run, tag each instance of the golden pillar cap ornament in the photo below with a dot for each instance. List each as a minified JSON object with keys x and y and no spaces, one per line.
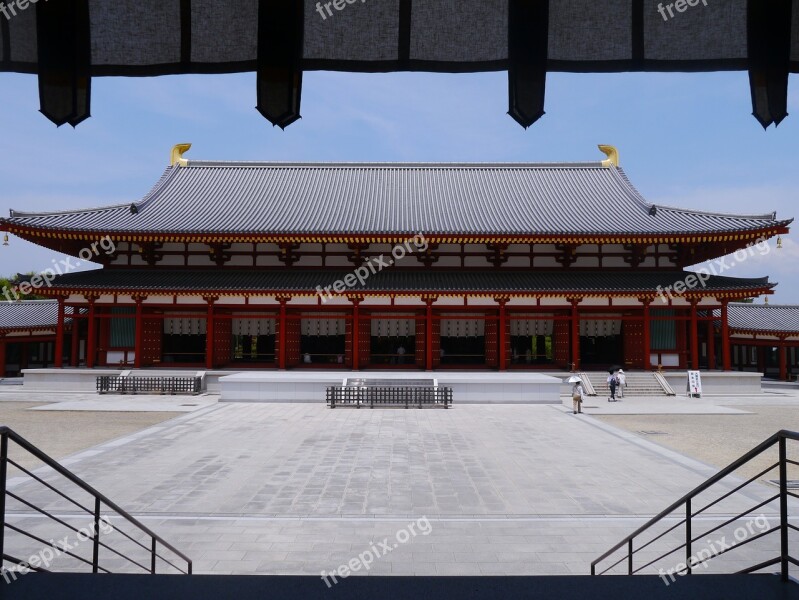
{"x":176,"y":157}
{"x":612,"y":155}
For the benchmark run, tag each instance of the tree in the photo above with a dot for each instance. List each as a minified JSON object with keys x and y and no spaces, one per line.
{"x":9,"y":288}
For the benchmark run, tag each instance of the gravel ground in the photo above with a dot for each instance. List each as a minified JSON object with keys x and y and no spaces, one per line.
{"x":61,"y":433}
{"x":719,"y":439}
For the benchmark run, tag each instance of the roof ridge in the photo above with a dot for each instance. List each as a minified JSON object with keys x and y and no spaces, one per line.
{"x":394,"y":165}
{"x":166,"y":176}
{"x":634,"y":193}
{"x":53,"y":213}
{"x":772,"y":216}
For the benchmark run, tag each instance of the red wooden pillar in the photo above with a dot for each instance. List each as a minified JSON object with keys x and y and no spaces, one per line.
{"x":209,"y":335}
{"x":2,"y":357}
{"x":282,"y":324}
{"x":647,"y":334}
{"x":74,"y":352}
{"x":59,"y":335}
{"x":711,"y":345}
{"x":428,"y":337}
{"x":725,"y":339}
{"x":420,"y":344}
{"x":694,"y":334}
{"x":138,"y":347}
{"x":575,"y":335}
{"x":783,"y":352}
{"x":91,"y":335}
{"x":356,"y":328}
{"x":502,"y":339}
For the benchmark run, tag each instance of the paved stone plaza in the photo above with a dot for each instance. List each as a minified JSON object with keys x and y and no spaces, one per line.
{"x":299,"y":488}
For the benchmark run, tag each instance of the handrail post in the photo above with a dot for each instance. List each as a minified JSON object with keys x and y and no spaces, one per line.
{"x":96,"y":537}
{"x":3,"y":474}
{"x":688,"y":535}
{"x":630,"y":557}
{"x":783,"y":510}
{"x":152,"y":557}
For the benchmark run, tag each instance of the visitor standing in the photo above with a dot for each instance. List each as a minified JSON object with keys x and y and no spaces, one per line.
{"x":612,"y":386}
{"x":401,"y":354}
{"x":577,"y":397}
{"x":621,"y":381}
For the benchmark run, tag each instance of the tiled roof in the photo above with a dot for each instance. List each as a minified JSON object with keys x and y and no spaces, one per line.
{"x":246,"y":281}
{"x":448,"y":199}
{"x":28,"y":314}
{"x":763,"y":317}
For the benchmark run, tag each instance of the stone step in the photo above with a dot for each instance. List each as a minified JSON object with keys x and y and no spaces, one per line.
{"x":636,"y":384}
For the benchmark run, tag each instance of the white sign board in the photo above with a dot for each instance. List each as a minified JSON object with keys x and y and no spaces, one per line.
{"x":695,"y":384}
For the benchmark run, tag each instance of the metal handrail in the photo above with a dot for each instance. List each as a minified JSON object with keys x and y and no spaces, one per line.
{"x":6,"y":434}
{"x":587,"y":385}
{"x":778,"y":438}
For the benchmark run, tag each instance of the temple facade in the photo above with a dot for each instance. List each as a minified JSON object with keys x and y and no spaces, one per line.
{"x":235,"y":265}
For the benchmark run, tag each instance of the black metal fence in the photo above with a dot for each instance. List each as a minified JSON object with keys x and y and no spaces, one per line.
{"x":406,"y":396}
{"x":128,"y":542}
{"x":638,"y":553}
{"x":117,"y":384}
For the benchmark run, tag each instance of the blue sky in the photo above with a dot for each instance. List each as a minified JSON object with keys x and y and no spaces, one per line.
{"x":685,"y":139}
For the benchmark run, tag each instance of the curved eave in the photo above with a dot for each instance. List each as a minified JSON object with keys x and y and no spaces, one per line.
{"x":732,"y":293}
{"x":756,"y":332}
{"x":38,"y":233}
{"x":35,"y":329}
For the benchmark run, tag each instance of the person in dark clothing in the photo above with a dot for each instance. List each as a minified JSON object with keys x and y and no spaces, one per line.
{"x":612,"y":386}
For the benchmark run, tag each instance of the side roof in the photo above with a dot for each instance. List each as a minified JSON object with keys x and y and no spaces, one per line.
{"x":230,"y":198}
{"x":29,"y":314}
{"x":763,"y":317}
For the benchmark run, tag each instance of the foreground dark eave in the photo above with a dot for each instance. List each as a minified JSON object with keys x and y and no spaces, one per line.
{"x":256,"y":202}
{"x":67,"y":43}
{"x":305,"y":282}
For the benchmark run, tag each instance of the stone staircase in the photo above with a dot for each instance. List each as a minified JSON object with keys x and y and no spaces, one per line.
{"x":639,"y":383}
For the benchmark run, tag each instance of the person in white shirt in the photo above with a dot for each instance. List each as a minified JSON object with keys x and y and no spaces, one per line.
{"x":577,"y":397}
{"x":621,"y":381}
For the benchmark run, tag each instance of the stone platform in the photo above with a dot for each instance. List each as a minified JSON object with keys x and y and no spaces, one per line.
{"x":467,"y":387}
